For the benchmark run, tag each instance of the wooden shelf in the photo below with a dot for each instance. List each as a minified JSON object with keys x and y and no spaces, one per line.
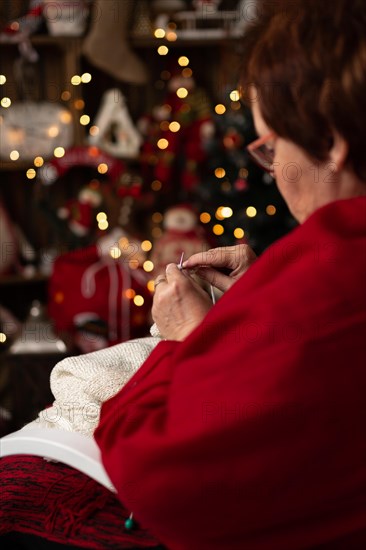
{"x":185,"y":37}
{"x":16,"y":165}
{"x":64,"y":41}
{"x":21,"y":280}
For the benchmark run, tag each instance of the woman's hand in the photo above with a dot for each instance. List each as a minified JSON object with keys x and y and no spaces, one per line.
{"x":207,"y":264}
{"x":179,"y":304}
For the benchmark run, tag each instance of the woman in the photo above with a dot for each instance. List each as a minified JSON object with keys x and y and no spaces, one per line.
{"x":245,"y":428}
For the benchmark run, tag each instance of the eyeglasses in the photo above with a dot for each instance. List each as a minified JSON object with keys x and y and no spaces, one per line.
{"x":262,"y":153}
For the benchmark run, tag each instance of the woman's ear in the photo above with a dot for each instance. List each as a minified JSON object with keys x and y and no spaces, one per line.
{"x":338,"y":152}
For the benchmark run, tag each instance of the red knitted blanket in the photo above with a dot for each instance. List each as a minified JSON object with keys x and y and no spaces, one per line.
{"x":59,"y":503}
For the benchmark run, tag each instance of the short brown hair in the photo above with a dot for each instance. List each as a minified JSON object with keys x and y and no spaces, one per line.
{"x":307,"y":61}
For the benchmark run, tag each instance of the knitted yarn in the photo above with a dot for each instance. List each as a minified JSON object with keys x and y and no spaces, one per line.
{"x":81,"y":384}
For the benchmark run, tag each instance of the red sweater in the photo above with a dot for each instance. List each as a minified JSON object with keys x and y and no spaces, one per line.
{"x":252,"y":432}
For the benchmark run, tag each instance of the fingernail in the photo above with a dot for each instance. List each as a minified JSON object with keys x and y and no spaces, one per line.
{"x":169,"y":267}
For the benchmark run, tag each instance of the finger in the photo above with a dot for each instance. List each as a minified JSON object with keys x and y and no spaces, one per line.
{"x":215,"y":278}
{"x":173,"y":273}
{"x":216,"y":257}
{"x":182,"y":279}
{"x":160,"y":279}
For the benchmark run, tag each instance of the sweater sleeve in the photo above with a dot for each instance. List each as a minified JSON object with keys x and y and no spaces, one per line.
{"x":196,"y":442}
{"x":231,"y":438}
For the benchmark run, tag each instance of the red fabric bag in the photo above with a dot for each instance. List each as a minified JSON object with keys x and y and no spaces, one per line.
{"x":89,"y":289}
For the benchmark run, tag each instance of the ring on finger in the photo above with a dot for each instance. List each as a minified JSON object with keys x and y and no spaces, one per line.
{"x":158,"y":281}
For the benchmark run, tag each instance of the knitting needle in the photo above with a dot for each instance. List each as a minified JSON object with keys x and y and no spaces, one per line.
{"x":213,"y":297}
{"x":180,"y":265}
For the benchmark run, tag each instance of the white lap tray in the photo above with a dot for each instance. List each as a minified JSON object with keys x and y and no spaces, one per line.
{"x":71,"y":448}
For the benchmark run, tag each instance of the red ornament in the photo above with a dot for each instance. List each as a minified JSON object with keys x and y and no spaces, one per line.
{"x":241,"y":184}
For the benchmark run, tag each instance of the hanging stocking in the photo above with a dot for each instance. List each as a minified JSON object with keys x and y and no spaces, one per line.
{"x":106,"y":45}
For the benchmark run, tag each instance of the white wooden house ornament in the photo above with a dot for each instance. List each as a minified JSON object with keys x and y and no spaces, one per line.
{"x":116,"y":134}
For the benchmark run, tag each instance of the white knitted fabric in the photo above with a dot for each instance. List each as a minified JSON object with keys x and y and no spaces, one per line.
{"x":81,"y":384}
